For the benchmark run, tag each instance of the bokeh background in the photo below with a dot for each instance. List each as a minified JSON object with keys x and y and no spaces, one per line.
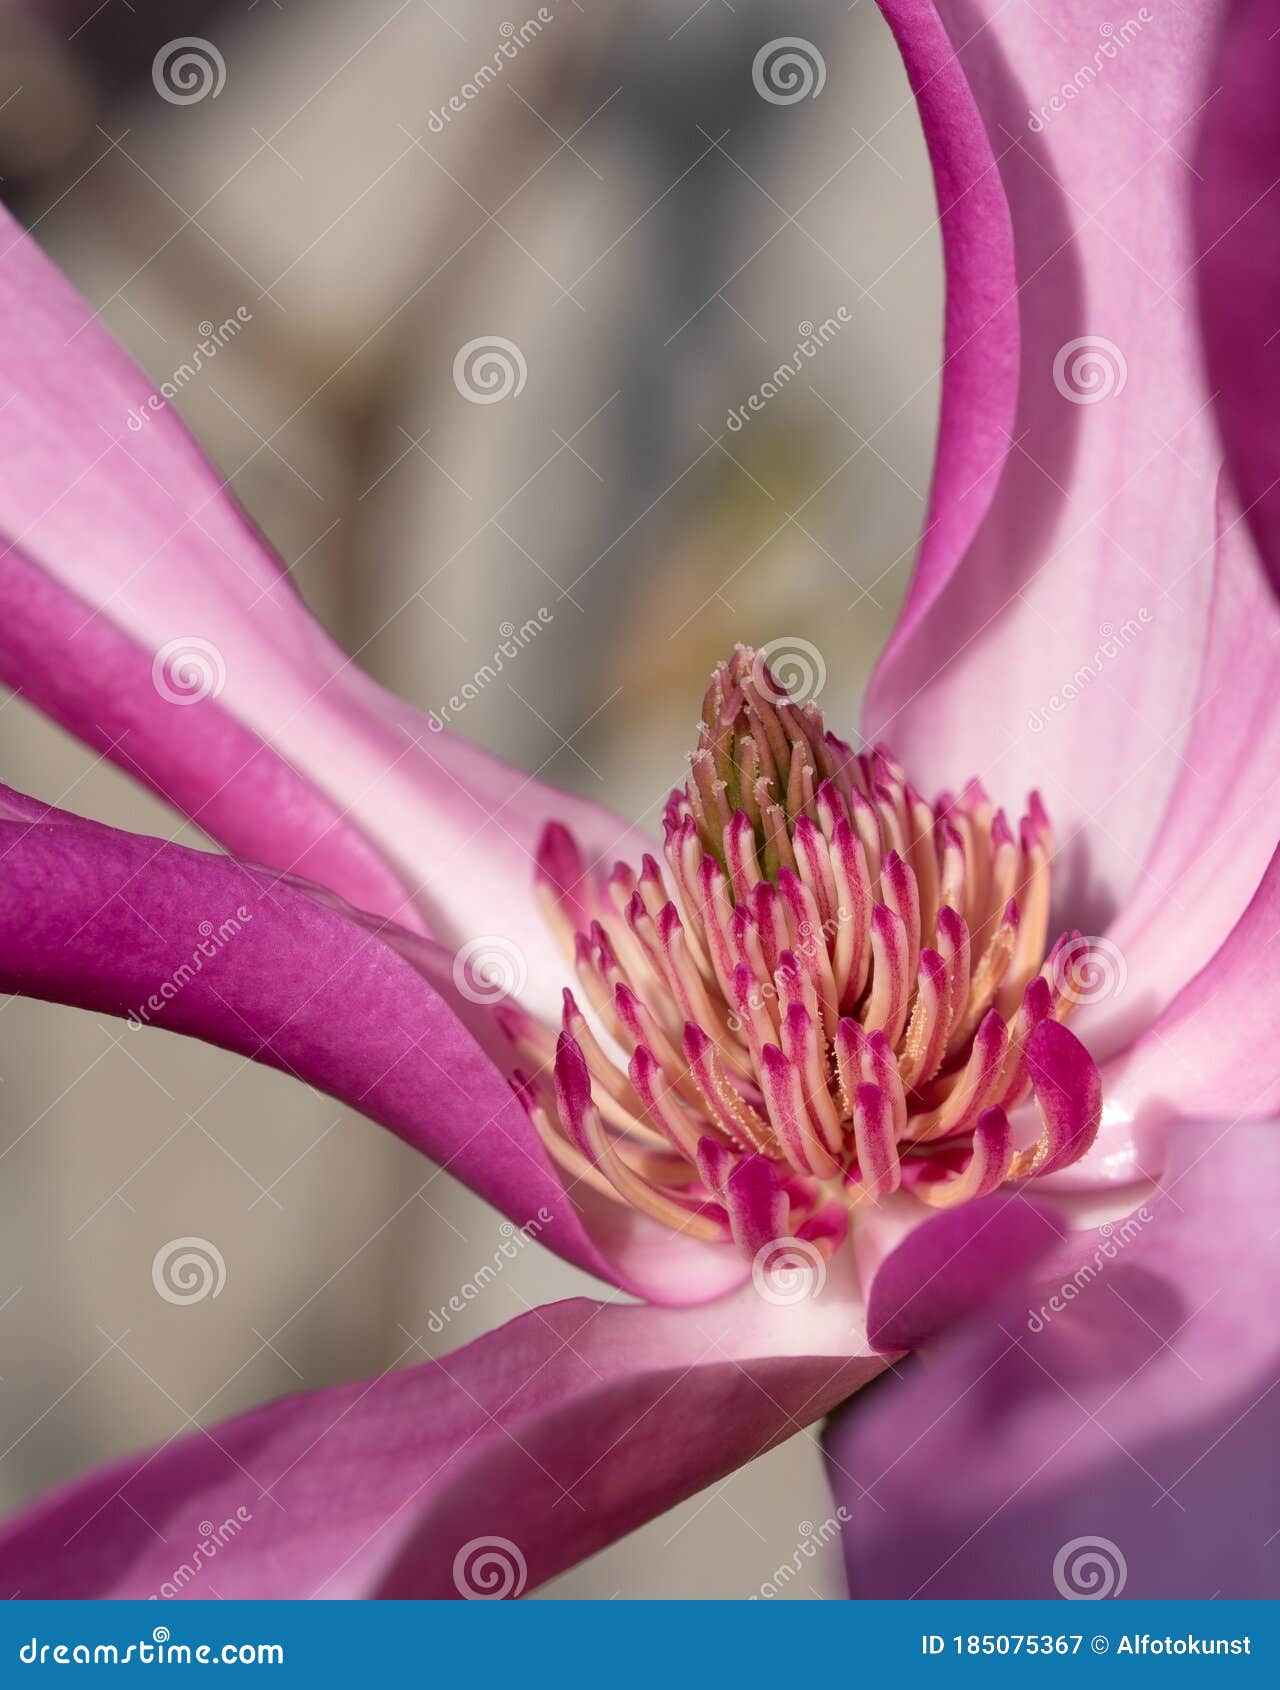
{"x":623,"y":205}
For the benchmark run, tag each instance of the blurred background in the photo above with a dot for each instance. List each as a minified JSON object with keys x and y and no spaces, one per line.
{"x":651,"y":213}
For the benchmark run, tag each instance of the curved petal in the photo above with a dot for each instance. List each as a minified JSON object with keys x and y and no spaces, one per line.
{"x":1090,"y":569}
{"x":1216,"y":838}
{"x":1121,"y":1414}
{"x":1236,"y":197}
{"x":980,"y":342}
{"x":954,"y":1264}
{"x":97,"y":683}
{"x":1182,"y":1016}
{"x":1211,"y":1053}
{"x":553,"y":1436}
{"x":238,"y":956}
{"x":125,"y":557}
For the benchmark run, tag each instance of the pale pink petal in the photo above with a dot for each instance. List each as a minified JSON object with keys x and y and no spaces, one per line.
{"x":1099,"y":533}
{"x":1216,"y":838}
{"x":1210,"y":1053}
{"x":123,"y":546}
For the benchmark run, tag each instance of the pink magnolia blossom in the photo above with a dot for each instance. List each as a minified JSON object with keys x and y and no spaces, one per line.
{"x":369,"y":849}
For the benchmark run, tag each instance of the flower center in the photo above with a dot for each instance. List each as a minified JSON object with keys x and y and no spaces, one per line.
{"x":835,"y":991}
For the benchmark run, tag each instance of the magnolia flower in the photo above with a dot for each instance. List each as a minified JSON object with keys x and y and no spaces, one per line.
{"x":838,"y":1004}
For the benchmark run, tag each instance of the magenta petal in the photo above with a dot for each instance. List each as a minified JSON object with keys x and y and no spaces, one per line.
{"x":954,"y":1263}
{"x":121,"y":550}
{"x":1068,"y":1092}
{"x":1103,"y":503}
{"x":555,"y":1435}
{"x":1125,"y":1396}
{"x":90,"y":677}
{"x":237,"y":956}
{"x":980,"y":345}
{"x":1236,"y":196}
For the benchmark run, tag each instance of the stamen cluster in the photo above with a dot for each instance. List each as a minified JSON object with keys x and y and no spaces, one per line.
{"x":834,"y":991}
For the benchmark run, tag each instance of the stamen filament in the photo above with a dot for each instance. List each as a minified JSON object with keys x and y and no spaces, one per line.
{"x":832,"y":986}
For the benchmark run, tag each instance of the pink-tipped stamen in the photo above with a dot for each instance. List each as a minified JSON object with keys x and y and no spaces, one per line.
{"x":832,"y":991}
